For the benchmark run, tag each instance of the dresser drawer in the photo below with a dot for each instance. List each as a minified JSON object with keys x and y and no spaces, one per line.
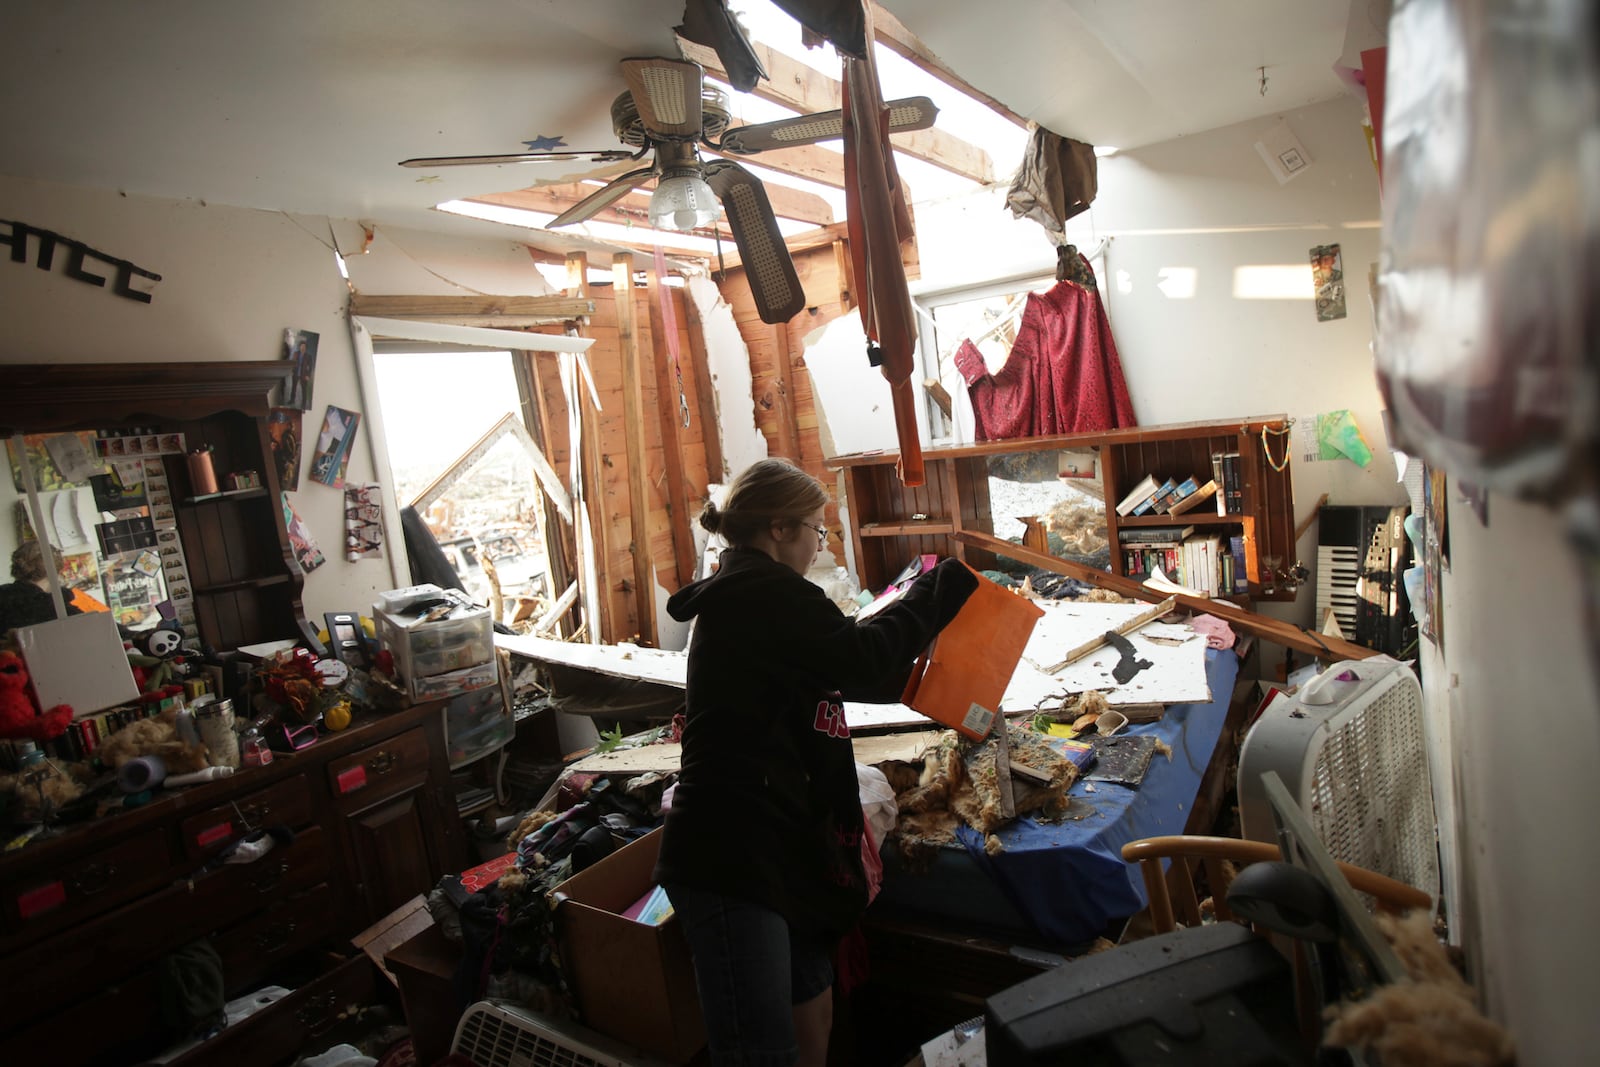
{"x":287,"y":803}
{"x":81,"y":888}
{"x":366,"y":777}
{"x":250,"y":950}
{"x":116,"y":944}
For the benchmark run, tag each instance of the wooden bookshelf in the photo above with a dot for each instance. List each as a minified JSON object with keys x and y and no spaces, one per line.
{"x":891,"y":523}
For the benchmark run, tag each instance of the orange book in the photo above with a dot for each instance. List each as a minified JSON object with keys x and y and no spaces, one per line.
{"x":960,"y":679}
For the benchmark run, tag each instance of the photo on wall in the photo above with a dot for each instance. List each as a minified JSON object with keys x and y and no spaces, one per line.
{"x":300,"y":346}
{"x":283,"y":430}
{"x":332,"y":457}
{"x":304,"y":545}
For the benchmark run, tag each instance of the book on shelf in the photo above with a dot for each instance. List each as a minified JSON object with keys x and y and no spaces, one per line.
{"x":1241,"y":577}
{"x":1181,"y":491}
{"x":1152,"y":535}
{"x":1138,"y":495}
{"x":1194,"y":499}
{"x":1232,"y":484}
{"x":1149,"y":504}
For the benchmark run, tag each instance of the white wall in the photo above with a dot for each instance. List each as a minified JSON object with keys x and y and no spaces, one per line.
{"x":1203,"y":208}
{"x":1518,"y":687}
{"x":232,"y":280}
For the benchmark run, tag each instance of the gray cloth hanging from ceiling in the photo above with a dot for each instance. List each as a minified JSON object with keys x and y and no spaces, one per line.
{"x":1058,"y":179}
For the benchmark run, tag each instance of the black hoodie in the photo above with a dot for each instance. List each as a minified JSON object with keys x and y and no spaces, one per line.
{"x":767,"y":807}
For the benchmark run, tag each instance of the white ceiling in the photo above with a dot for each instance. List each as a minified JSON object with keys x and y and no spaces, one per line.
{"x":308,"y":105}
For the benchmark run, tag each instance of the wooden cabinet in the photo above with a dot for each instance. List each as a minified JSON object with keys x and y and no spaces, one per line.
{"x":892,"y":523}
{"x":88,"y":915}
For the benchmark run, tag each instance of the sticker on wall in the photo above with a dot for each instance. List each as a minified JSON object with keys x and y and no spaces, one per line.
{"x":1327,"y":280}
{"x":1283,"y":153}
{"x":300,"y":539}
{"x":363,"y":522}
{"x":300,"y":346}
{"x":80,"y":262}
{"x":332,"y":457}
{"x":283,"y":430}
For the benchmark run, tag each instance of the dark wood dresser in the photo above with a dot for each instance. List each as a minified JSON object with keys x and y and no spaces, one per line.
{"x":86,"y":917}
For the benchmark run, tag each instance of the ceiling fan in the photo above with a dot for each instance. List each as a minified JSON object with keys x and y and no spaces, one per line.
{"x":667,"y":111}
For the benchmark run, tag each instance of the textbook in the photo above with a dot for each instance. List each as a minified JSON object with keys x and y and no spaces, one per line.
{"x":1194,"y":499}
{"x":1139,"y":494}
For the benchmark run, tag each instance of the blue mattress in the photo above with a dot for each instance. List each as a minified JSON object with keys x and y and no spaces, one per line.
{"x":1061,"y":884}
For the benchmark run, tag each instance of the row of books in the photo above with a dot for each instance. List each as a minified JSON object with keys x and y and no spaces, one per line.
{"x":1225,"y":488}
{"x":1170,"y":497}
{"x":83,"y":737}
{"x":1212,"y":565}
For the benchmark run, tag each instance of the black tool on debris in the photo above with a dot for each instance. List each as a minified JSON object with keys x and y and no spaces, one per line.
{"x":1130,"y":664}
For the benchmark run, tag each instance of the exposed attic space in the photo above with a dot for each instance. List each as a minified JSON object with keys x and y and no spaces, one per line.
{"x":804,"y":184}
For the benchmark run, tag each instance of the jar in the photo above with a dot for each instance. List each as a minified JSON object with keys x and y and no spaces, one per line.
{"x":215,"y":720}
{"x":253,"y":749}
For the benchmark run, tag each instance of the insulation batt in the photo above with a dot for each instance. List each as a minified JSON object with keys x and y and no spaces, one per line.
{"x":1431,"y":1022}
{"x":958,"y":785}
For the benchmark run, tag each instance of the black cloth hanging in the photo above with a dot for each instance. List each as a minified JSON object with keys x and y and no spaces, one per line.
{"x":429,"y":564}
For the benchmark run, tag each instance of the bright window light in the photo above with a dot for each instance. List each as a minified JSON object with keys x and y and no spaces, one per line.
{"x":1287,"y":281}
{"x":1177,"y":283}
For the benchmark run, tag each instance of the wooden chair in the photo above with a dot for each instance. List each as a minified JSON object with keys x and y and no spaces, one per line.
{"x":1173,"y":897}
{"x":1172,"y":894}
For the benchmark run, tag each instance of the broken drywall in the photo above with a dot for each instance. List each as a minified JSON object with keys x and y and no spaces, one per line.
{"x":855,"y":412}
{"x":728,"y":363}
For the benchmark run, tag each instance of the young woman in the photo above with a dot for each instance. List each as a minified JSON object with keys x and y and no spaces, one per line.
{"x":761,"y":855}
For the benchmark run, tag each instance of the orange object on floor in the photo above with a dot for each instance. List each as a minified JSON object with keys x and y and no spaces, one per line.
{"x":960,"y":679}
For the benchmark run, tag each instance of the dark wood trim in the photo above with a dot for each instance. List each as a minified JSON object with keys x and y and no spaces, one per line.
{"x":43,"y":397}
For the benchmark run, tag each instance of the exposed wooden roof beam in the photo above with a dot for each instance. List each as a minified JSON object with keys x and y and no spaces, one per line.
{"x":503,"y":311}
{"x":805,"y":89}
{"x":787,"y":202}
{"x":893,"y":35}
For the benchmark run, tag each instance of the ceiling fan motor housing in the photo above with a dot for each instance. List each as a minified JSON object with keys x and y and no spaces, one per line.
{"x":629,"y":128}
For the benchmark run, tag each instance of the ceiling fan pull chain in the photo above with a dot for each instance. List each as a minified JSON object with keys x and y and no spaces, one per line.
{"x":669,"y":323}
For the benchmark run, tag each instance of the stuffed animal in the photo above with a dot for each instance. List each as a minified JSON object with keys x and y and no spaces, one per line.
{"x":157,"y":736}
{"x":19,"y":715}
{"x":156,"y":655}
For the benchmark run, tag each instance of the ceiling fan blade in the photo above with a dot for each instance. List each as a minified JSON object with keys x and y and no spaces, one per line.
{"x":602,"y":198}
{"x":603,"y":155}
{"x":667,"y":95}
{"x":773,"y":281}
{"x":910,"y":113}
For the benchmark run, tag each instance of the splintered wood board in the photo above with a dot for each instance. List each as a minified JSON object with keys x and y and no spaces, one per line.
{"x":1177,"y":674}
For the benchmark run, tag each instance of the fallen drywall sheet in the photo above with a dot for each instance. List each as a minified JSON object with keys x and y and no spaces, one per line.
{"x":729,"y":366}
{"x":1177,"y":674}
{"x":903,"y":747}
{"x":855,"y":411}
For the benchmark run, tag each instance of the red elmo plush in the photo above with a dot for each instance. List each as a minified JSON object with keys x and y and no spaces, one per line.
{"x":18,"y":715}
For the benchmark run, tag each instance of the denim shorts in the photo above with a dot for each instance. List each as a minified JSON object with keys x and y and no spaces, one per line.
{"x":750,"y":970}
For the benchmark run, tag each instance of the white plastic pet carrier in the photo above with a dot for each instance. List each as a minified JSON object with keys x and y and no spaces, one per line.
{"x":493,"y":1034}
{"x":1349,"y":746}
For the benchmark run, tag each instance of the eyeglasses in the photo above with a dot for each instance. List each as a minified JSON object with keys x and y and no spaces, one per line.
{"x":820,"y":531}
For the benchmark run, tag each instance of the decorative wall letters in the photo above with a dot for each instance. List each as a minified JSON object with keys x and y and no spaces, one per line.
{"x":77,"y":254}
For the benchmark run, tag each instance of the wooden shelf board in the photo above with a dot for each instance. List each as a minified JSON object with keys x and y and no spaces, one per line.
{"x":909,"y":527}
{"x":245,"y":583}
{"x":1188,"y":518}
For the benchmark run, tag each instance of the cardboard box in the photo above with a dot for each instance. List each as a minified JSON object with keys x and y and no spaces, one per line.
{"x":633,"y":982}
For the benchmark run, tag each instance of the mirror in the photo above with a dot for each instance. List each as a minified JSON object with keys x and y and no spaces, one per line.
{"x":1062,"y":496}
{"x":109,"y":445}
{"x":107,"y":508}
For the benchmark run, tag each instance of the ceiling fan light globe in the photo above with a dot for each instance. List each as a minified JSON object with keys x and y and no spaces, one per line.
{"x":683,"y":202}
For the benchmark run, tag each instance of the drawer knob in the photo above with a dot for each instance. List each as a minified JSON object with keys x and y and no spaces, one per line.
{"x":268,"y":880}
{"x":319,"y":1013}
{"x":93,"y":878}
{"x":275,"y":937}
{"x":383,"y":762}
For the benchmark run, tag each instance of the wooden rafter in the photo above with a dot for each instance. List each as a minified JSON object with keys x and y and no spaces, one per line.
{"x":474,"y":310}
{"x":644,"y":576}
{"x":806,"y":90}
{"x":893,"y":35}
{"x":634,"y":209}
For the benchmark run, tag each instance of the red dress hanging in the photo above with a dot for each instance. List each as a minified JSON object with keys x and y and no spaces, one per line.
{"x":1062,"y":376}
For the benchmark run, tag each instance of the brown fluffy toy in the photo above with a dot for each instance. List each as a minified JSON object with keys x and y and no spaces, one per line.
{"x":154,"y":737}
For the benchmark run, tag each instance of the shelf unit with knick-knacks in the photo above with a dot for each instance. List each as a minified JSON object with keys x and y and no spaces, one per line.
{"x":891,"y":523}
